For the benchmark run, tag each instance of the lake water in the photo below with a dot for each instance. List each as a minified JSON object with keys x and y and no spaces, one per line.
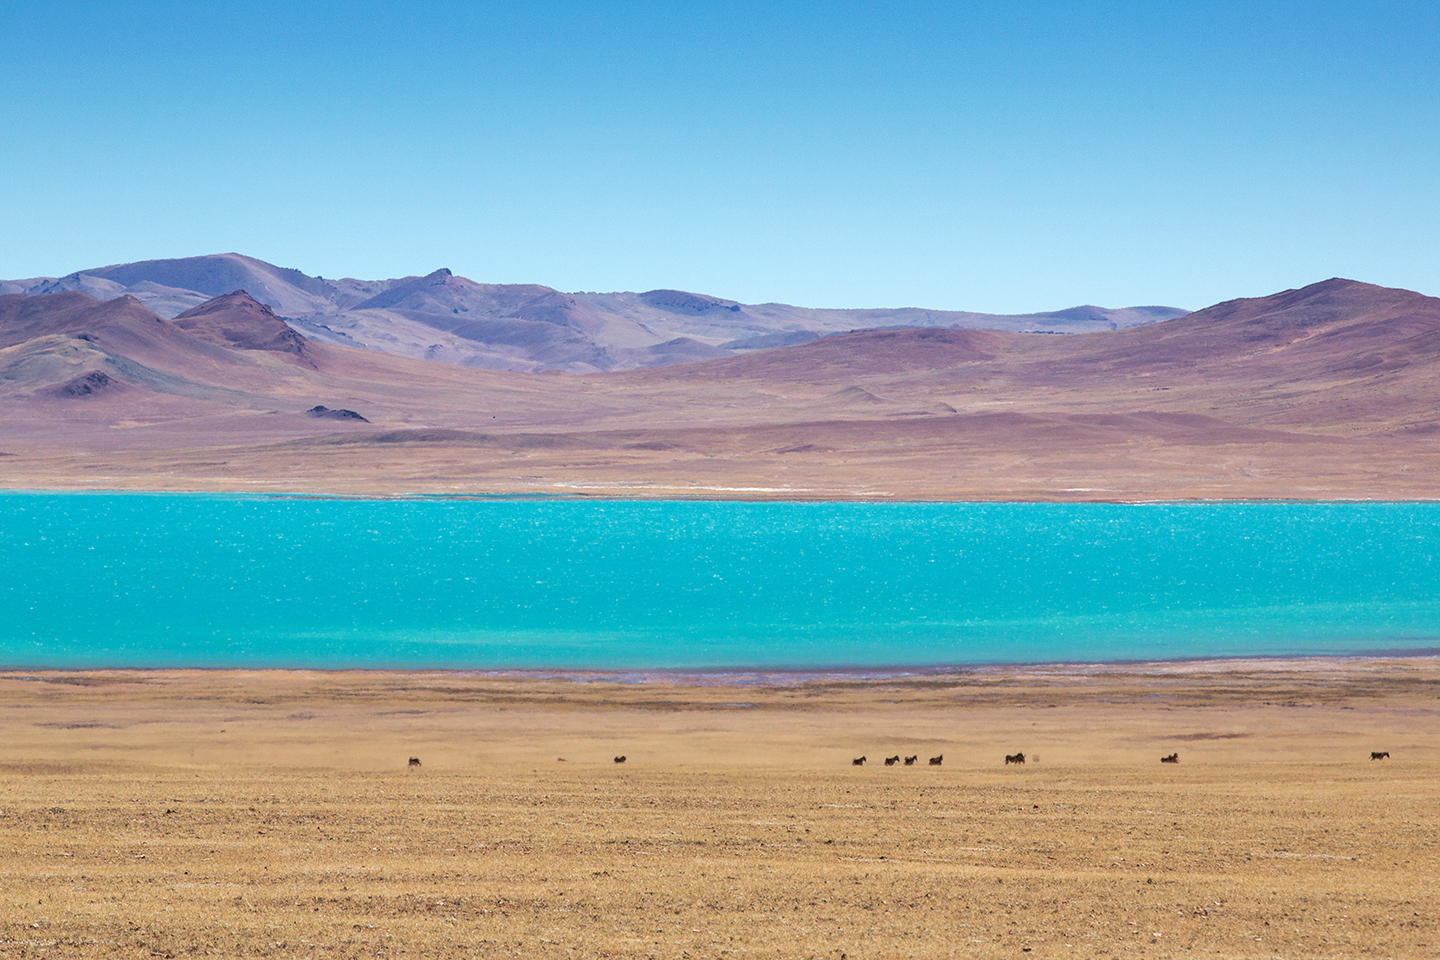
{"x":100,"y":580}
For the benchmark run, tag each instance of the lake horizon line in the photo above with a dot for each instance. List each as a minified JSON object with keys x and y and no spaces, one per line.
{"x":671,"y":497}
{"x":769,"y":676}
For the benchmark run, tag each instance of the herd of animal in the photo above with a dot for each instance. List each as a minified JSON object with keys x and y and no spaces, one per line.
{"x":934,"y":761}
{"x":909,"y":761}
{"x":938,"y":760}
{"x":1019,"y":758}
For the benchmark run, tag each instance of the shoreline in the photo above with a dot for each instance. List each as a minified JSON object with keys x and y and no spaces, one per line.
{"x":618,"y":494}
{"x":782,"y":677}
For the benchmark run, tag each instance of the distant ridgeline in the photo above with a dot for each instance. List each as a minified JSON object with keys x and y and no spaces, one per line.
{"x":525,"y":326}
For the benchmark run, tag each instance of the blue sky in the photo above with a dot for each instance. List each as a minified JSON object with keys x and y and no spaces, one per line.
{"x":987,"y":156}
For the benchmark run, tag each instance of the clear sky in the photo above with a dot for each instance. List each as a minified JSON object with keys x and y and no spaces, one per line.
{"x":1002,"y":156}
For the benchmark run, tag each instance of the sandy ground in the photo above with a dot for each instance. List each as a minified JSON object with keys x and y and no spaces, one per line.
{"x":862,"y":462}
{"x":236,"y":814}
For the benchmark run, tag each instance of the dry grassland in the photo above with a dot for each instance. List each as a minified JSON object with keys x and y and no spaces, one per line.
{"x":241,"y":814}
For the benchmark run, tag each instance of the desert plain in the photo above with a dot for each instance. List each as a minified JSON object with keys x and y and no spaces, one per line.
{"x":274,"y":813}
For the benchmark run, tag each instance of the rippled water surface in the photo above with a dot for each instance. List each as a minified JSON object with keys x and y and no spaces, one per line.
{"x":199,"y":580}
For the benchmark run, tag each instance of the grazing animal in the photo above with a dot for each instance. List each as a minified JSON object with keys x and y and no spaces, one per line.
{"x":1379,"y":754}
{"x":1173,"y":758}
{"x":891,"y":761}
{"x":1014,"y":758}
{"x":858,"y":761}
{"x":910,"y":761}
{"x":414,"y":762}
{"x":936,"y":761}
{"x":620,"y":759}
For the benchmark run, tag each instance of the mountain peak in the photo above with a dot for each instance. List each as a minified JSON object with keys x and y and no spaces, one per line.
{"x":239,"y":320}
{"x":1334,"y":285}
{"x":691,"y":304}
{"x":1335,"y":314}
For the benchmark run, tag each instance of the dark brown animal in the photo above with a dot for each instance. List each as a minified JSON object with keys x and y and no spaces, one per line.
{"x":620,"y":759}
{"x":891,"y":761}
{"x":1379,"y":754}
{"x":414,"y":762}
{"x":936,"y":761}
{"x":858,"y":761}
{"x":1014,"y":758}
{"x":910,"y":761}
{"x":1173,"y":758}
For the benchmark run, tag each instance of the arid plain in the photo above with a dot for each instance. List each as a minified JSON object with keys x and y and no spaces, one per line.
{"x":197,"y":813}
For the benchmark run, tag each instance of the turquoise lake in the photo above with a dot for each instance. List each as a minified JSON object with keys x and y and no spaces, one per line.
{"x":106,"y":580}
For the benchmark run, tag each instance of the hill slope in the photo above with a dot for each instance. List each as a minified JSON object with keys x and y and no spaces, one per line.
{"x":238,"y":320}
{"x":440,"y":316}
{"x":1329,"y":390}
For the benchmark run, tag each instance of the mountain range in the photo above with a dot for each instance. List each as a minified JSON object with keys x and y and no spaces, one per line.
{"x":1329,"y":390}
{"x":440,"y":316}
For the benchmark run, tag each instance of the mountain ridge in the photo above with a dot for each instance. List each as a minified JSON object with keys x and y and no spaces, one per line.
{"x":1329,"y":390}
{"x":529,"y":327}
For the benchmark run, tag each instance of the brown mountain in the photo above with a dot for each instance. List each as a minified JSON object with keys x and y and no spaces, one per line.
{"x":1287,"y":355}
{"x":115,"y":359}
{"x":1332,"y":319}
{"x":535,"y":324}
{"x":122,"y":328}
{"x":238,"y":320}
{"x":1329,"y":390}
{"x":440,"y":316}
{"x":23,"y":318}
